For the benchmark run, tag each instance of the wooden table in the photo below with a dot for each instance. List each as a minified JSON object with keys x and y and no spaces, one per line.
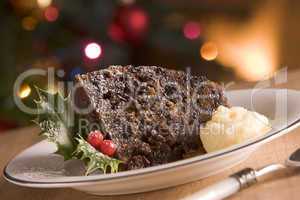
{"x":285,"y":186}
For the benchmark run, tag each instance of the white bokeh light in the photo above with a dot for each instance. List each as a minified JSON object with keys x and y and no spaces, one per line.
{"x":93,"y":50}
{"x":44,"y":3}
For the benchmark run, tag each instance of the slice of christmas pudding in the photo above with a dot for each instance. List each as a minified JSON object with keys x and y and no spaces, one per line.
{"x":151,"y":114}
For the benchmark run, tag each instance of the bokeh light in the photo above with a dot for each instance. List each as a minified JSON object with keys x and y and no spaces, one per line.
{"x":29,"y":23}
{"x":191,"y":30}
{"x":138,"y":20}
{"x":127,"y":2}
{"x":44,"y":3}
{"x":51,"y":13}
{"x":24,"y":91}
{"x":116,"y":33}
{"x":93,"y":50}
{"x":209,"y":51}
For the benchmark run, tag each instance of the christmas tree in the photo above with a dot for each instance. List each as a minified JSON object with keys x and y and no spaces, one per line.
{"x":75,"y":37}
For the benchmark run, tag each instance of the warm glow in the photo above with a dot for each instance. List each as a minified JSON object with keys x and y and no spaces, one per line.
{"x":256,"y":62}
{"x":93,"y":50}
{"x":44,"y":3}
{"x":209,"y":51}
{"x":25,"y":91}
{"x":250,"y":48}
{"x":29,"y":23}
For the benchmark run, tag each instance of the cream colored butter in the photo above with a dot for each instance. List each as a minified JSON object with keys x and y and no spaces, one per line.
{"x":230,"y":126}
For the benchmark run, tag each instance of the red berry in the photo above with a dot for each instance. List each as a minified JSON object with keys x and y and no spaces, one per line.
{"x":108,"y":147}
{"x":95,"y":138}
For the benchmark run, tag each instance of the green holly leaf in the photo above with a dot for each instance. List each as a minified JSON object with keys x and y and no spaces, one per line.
{"x":95,"y":159}
{"x":55,"y":121}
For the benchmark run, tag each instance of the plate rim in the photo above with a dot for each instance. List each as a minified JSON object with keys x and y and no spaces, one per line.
{"x":153,"y":169}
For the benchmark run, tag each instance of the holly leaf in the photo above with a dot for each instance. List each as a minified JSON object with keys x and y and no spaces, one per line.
{"x":55,"y":121}
{"x":95,"y":159}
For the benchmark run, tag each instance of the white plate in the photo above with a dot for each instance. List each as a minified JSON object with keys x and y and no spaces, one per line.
{"x":38,"y":167}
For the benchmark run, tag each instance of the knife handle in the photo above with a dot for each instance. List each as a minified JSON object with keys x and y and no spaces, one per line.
{"x":227,"y":187}
{"x":218,"y":191}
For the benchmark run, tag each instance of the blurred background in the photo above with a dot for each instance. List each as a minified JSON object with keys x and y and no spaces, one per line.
{"x":226,"y":40}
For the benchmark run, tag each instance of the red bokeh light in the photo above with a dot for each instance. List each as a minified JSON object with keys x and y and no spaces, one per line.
{"x":191,"y":30}
{"x":51,"y":13}
{"x":116,"y":33}
{"x":130,"y":24}
{"x":138,"y":20}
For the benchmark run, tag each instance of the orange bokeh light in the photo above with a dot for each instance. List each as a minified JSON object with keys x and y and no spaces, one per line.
{"x":209,"y":51}
{"x":29,"y":23}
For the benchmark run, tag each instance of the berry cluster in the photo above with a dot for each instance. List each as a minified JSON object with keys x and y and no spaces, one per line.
{"x":96,"y":139}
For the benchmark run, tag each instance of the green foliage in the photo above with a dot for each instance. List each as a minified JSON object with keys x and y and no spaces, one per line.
{"x":54,"y":119}
{"x":95,"y":159}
